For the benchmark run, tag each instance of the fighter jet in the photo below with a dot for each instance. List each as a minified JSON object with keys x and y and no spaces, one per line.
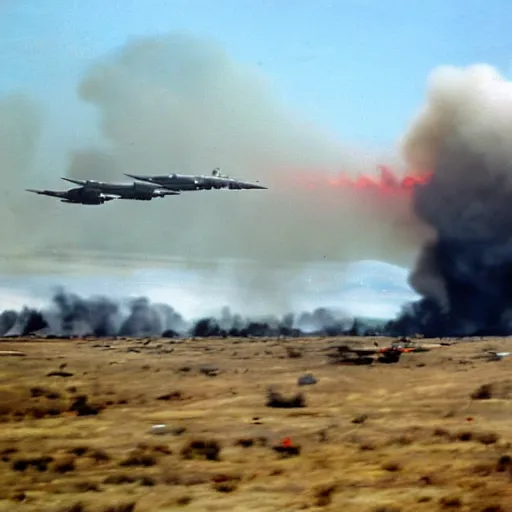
{"x":77,"y":195}
{"x":136,"y":191}
{"x":186,"y":182}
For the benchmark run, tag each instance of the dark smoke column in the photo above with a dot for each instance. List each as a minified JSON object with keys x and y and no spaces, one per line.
{"x":464,"y":136}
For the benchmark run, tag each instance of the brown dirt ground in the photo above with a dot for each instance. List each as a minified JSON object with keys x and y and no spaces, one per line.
{"x":386,"y":437}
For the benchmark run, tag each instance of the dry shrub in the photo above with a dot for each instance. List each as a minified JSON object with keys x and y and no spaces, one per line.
{"x":183,"y":500}
{"x":484,"y":392}
{"x":359,"y":420}
{"x":225,"y":483}
{"x":293,"y":353}
{"x":39,"y":463}
{"x":18,"y":496}
{"x":246,"y":442}
{"x":207,"y":449}
{"x":392,"y":466}
{"x":138,"y":458}
{"x":287,"y":451}
{"x":36,"y":392}
{"x":99,"y":456}
{"x":450,"y":502}
{"x":174,"y":395}
{"x":442,"y":433}
{"x":147,"y":481}
{"x":277,"y":400}
{"x":499,"y":389}
{"x":228,"y":486}
{"x":487,"y":437}
{"x":79,"y":451}
{"x":82,"y":407}
{"x":465,"y":435}
{"x":504,"y":463}
{"x":322,"y":494}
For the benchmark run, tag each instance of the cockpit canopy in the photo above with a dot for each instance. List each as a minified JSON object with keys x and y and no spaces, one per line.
{"x":217,"y":174}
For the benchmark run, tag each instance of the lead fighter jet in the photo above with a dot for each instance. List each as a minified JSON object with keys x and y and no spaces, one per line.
{"x":137,"y":191}
{"x":187,"y":182}
{"x":77,"y":195}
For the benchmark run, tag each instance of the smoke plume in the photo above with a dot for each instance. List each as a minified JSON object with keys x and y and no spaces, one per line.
{"x":20,"y":127}
{"x":180,"y":104}
{"x":71,"y":315}
{"x":464,"y":136}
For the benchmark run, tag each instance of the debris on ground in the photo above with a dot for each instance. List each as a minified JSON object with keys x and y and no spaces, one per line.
{"x":286,"y":448}
{"x":307,"y":380}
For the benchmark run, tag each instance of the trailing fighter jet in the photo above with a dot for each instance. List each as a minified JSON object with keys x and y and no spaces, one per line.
{"x":186,"y":182}
{"x":77,"y":195}
{"x":136,"y":191}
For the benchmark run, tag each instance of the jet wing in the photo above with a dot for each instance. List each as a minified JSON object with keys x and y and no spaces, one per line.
{"x":82,"y":183}
{"x":139,"y":177}
{"x":49,"y":193}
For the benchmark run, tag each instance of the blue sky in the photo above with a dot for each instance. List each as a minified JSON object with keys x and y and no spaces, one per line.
{"x":356,"y":67}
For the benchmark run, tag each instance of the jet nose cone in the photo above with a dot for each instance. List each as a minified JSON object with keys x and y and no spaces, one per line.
{"x":254,"y":186}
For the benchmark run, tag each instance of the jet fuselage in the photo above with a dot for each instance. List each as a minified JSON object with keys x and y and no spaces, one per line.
{"x":190,"y":182}
{"x":77,"y":195}
{"x":135,"y":191}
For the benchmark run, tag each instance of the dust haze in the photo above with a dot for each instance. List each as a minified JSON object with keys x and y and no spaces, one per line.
{"x":20,"y":129}
{"x":177,"y":103}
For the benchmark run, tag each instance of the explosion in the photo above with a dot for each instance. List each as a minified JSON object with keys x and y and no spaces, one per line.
{"x":464,"y":134}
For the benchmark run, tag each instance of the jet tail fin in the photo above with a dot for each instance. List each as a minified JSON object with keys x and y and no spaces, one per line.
{"x":76,"y":182}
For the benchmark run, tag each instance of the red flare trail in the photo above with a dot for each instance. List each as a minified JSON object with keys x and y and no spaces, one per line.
{"x":386,"y":181}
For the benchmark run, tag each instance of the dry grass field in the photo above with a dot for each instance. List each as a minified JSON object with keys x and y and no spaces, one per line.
{"x":431,"y":432}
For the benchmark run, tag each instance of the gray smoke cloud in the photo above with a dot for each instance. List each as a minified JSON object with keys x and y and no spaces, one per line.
{"x":464,"y":136}
{"x":20,"y":129}
{"x":177,"y":103}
